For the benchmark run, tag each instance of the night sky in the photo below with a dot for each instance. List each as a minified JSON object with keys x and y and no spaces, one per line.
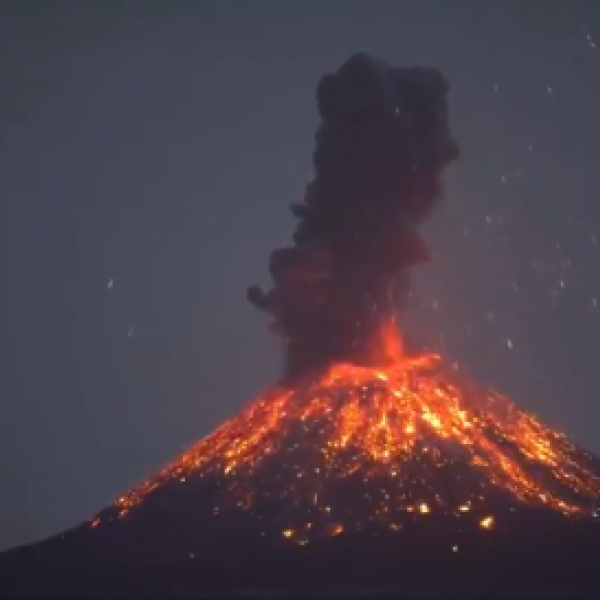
{"x":148,"y":152}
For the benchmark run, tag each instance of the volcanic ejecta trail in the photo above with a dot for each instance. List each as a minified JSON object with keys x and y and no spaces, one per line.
{"x":382,"y":144}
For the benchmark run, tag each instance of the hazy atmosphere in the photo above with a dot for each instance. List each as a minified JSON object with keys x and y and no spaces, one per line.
{"x":148,"y":152}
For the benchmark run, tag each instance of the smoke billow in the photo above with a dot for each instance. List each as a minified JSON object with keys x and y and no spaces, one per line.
{"x":383,"y":141}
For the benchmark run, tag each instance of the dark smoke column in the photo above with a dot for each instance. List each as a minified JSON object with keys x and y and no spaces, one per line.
{"x":382,"y":144}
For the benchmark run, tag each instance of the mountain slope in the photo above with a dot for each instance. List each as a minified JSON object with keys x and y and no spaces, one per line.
{"x":401,"y":475}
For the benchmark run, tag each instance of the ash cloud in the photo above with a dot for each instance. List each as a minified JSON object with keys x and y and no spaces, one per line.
{"x":380,"y":149}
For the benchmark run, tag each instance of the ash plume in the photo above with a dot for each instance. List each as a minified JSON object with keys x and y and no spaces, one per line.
{"x":382,"y":144}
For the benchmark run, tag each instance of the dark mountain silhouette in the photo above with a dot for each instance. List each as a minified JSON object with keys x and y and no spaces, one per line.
{"x":405,"y":476}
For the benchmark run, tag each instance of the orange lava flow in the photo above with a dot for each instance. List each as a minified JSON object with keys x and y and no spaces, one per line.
{"x":431,"y":441}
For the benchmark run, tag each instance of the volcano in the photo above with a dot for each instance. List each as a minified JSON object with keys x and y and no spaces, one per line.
{"x":369,"y":465}
{"x":402,"y":475}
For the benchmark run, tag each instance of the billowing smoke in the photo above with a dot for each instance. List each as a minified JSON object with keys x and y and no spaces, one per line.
{"x":383,"y":141}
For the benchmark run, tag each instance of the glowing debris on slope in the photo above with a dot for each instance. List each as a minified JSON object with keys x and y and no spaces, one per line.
{"x":411,"y":440}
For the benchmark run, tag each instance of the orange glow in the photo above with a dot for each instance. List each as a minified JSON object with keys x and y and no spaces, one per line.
{"x":402,"y":425}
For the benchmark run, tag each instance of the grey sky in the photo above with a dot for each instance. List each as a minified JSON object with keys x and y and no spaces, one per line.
{"x":157,"y":144}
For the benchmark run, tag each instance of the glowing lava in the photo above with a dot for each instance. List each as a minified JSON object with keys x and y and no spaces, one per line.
{"x":359,"y":447}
